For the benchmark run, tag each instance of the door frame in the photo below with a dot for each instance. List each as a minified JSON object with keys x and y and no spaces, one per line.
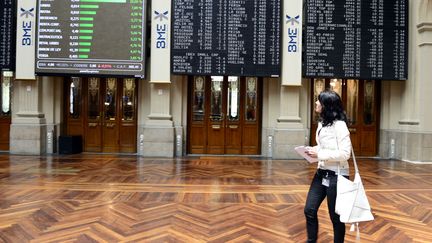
{"x":254,"y":148}
{"x":80,"y":126}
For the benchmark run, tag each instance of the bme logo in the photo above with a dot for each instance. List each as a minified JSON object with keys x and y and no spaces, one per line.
{"x":293,"y":33}
{"x":161,"y":30}
{"x":27,"y":27}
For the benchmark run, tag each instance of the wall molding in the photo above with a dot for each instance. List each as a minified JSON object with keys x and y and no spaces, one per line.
{"x":424,"y":27}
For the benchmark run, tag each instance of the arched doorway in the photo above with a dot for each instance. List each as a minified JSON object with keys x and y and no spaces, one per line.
{"x":224,"y":115}
{"x":361,"y":102}
{"x":104,"y":112}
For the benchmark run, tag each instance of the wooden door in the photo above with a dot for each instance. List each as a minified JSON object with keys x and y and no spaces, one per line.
{"x":107,"y":113}
{"x":361,"y":102}
{"x":251,"y":137}
{"x":5,"y":111}
{"x":234,"y":109}
{"x":369,"y":122}
{"x":216,"y":120}
{"x":224,"y":115}
{"x":94,"y":115}
{"x":128,"y":118}
{"x":197,"y":115}
{"x":110,"y":115}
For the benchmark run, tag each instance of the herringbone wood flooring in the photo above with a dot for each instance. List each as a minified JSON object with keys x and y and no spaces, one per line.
{"x":106,"y":198}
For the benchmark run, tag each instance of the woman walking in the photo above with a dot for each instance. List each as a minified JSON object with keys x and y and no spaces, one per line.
{"x":333,"y":149}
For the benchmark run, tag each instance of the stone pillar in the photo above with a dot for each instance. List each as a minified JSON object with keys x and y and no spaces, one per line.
{"x":158,"y":130}
{"x":289,"y":108}
{"x":289,"y":131}
{"x":53,"y":110}
{"x":28,"y":128}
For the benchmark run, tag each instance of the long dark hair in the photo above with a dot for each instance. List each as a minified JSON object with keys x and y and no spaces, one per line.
{"x":332,"y":108}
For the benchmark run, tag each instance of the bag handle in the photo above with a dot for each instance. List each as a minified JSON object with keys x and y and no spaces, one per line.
{"x":356,"y":170}
{"x":354,"y":159}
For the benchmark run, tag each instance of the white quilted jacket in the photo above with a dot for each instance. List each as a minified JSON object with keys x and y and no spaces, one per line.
{"x":334,"y":147}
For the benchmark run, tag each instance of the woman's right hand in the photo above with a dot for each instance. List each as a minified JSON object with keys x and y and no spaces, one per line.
{"x":312,"y":152}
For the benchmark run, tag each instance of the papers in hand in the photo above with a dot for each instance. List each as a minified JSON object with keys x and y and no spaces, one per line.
{"x":302,"y":150}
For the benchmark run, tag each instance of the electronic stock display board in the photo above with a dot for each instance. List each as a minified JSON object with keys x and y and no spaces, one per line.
{"x":365,"y":39}
{"x":7,"y":34}
{"x":226,"y":37}
{"x":91,"y":37}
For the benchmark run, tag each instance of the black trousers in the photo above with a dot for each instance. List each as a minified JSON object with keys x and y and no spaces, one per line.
{"x":317,"y":193}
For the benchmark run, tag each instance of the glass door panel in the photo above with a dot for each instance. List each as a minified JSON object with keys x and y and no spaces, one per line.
{"x":110,"y":99}
{"x":128,"y":102}
{"x":74,"y":101}
{"x":198,"y":94}
{"x":93,"y":95}
{"x":75,"y":98}
{"x":318,"y":87}
{"x":251,"y":99}
{"x":352,"y":110}
{"x":369,"y":101}
{"x":352,"y":101}
{"x":336,"y":86}
{"x":5,"y":96}
{"x":216,"y":98}
{"x":233,"y":98}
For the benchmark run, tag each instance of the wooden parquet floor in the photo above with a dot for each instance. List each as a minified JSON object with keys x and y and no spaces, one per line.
{"x":110,"y":198}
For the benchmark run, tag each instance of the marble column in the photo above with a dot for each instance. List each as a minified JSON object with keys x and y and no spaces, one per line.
{"x":28,"y":128}
{"x":158,"y":130}
{"x":290,"y":131}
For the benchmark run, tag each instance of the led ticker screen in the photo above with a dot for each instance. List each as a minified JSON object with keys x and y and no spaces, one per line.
{"x":226,"y":37}
{"x":91,"y":37}
{"x":7,"y":34}
{"x":365,"y":39}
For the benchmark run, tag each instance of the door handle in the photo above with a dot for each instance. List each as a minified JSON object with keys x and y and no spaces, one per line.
{"x":233,"y":126}
{"x":110,"y":125}
{"x":352,"y":129}
{"x":92,"y":124}
{"x":216,"y":127}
